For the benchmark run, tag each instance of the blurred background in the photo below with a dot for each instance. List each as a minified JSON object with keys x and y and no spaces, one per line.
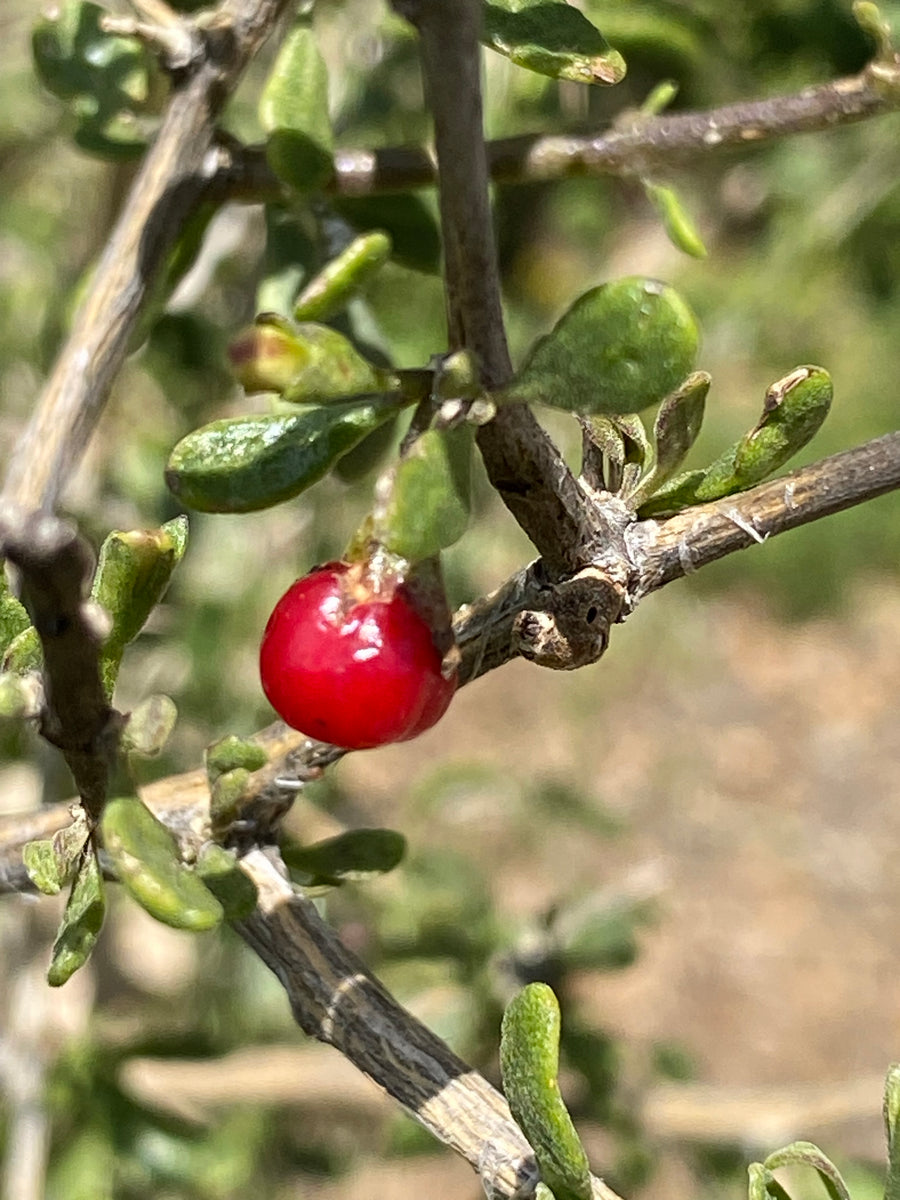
{"x":695,"y":841}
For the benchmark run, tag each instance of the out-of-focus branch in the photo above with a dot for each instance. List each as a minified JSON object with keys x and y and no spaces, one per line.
{"x":635,"y":145}
{"x":175,"y":172}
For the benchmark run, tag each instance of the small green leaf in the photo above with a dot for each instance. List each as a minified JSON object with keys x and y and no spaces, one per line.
{"x":146,"y":859}
{"x":892,"y":1126}
{"x":619,"y":348}
{"x":149,"y":726}
{"x":44,"y":868}
{"x":13,"y":617}
{"x":234,"y":890}
{"x":225,"y":796}
{"x":336,"y":285}
{"x":805,"y":1154}
{"x":423,"y":501}
{"x":24,"y":654}
{"x":308,"y":363}
{"x":625,"y":448}
{"x":104,"y":78}
{"x":241,"y":464}
{"x":81,"y":921}
{"x":552,"y":38}
{"x":407,"y":219}
{"x":793,"y":412}
{"x":529,"y":1061}
{"x":21,"y":696}
{"x":679,"y":227}
{"x":133,"y":573}
{"x":355,"y":855}
{"x":293,"y":111}
{"x":231,"y":752}
{"x":674,"y":433}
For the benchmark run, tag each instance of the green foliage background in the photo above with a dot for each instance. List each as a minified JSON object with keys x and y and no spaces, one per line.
{"x":804,"y":266}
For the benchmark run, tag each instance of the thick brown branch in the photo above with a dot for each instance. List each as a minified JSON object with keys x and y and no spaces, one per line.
{"x":172,"y":178}
{"x":55,"y":568}
{"x":638,"y":147}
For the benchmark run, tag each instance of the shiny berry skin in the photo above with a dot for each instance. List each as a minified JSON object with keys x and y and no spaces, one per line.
{"x":351,"y":666}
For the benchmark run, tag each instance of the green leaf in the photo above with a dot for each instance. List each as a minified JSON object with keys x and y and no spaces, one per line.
{"x":891,"y":1127}
{"x":149,"y":726}
{"x":423,"y":501}
{"x":624,"y":445}
{"x":14,"y":618}
{"x":307,"y":363}
{"x":225,"y":796}
{"x":234,"y":890}
{"x":51,"y":863}
{"x":293,"y":111}
{"x":105,"y":78}
{"x":147,"y":863}
{"x":355,"y":855}
{"x":133,"y":573}
{"x":679,"y":227}
{"x":231,"y":752}
{"x":81,"y":923}
{"x":674,"y":432}
{"x":529,"y":1061}
{"x":793,"y":411}
{"x":805,"y":1154}
{"x":618,"y":349}
{"x":241,"y":464}
{"x":407,"y":219}
{"x":21,"y":696}
{"x":337,"y":283}
{"x":552,"y":38}
{"x":24,"y":653}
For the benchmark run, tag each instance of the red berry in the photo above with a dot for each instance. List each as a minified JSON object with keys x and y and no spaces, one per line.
{"x":351,"y":666}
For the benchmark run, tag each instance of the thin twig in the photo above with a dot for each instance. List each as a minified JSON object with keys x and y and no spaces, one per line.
{"x":634,"y":146}
{"x":167,"y":189}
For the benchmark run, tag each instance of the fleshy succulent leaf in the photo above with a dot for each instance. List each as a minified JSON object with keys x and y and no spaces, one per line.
{"x":355,"y":855}
{"x":293,"y":111}
{"x":553,"y":38}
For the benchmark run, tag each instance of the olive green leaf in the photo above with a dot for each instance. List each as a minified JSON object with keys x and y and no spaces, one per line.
{"x":892,"y":1126}
{"x":24,"y":654}
{"x":679,"y":227}
{"x":422,"y":502}
{"x":149,"y":726}
{"x":369,"y":454}
{"x":231,"y":752}
{"x":337,"y":283}
{"x":105,"y":79}
{"x":293,"y":111}
{"x":306,"y":363}
{"x":234,"y":890}
{"x":407,"y":219}
{"x":146,"y":860}
{"x":51,"y":862}
{"x":793,"y":411}
{"x":241,"y":464}
{"x":356,"y":855}
{"x":674,"y":432}
{"x":133,"y":573}
{"x":14,"y":618}
{"x":552,"y":38}
{"x":81,"y":921}
{"x":21,"y":696}
{"x":869,"y":18}
{"x":623,"y":447}
{"x":805,"y":1154}
{"x":619,"y":348}
{"x":225,"y":795}
{"x":762,"y":1184}
{"x":529,"y":1061}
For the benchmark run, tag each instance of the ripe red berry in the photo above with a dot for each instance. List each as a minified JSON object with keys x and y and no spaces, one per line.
{"x":351,"y":666}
